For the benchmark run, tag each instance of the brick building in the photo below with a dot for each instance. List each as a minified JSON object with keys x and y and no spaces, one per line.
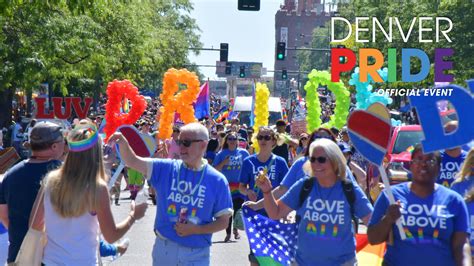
{"x":294,"y":24}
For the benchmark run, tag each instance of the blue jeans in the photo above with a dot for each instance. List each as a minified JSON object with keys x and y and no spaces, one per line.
{"x":167,"y":252}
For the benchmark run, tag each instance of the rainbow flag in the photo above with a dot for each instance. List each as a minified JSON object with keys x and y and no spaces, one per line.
{"x":234,"y":189}
{"x":202,"y":104}
{"x":218,"y":113}
{"x":222,"y":117}
{"x":368,"y":254}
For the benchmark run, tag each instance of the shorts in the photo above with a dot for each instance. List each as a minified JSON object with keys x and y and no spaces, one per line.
{"x":167,"y":252}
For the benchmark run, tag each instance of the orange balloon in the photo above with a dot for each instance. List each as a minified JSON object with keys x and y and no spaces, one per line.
{"x":177,"y":102}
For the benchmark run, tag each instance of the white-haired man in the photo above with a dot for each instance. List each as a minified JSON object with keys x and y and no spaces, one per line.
{"x":193,"y":199}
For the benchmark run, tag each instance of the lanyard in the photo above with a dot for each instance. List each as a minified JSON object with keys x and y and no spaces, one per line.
{"x":192,"y":191}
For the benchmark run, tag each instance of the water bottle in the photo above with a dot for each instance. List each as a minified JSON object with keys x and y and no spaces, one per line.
{"x":142,"y":195}
{"x":124,"y":242}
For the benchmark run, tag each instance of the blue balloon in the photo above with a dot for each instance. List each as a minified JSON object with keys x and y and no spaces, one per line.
{"x":365,"y":91}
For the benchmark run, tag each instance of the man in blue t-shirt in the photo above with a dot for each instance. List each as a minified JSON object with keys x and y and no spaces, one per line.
{"x":193,"y":198}
{"x":434,"y":218}
{"x":22,"y":182}
{"x":451,"y":159}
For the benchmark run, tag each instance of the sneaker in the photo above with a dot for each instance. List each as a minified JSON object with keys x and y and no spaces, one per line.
{"x":117,"y":202}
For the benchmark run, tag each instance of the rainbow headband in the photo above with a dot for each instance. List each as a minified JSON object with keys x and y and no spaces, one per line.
{"x":85,"y":144}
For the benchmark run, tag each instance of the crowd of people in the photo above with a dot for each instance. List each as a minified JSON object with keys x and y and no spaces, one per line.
{"x":200,"y":178}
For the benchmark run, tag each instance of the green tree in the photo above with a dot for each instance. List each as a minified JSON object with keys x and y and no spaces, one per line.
{"x":80,"y":49}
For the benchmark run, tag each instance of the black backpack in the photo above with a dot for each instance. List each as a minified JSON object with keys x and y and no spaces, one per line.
{"x":349,"y":192}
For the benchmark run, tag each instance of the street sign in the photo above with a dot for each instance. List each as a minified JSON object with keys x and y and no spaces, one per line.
{"x":253,"y":70}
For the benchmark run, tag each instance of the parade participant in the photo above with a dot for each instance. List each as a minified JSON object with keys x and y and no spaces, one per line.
{"x":22,"y":182}
{"x":171,"y":145}
{"x":469,"y":198}
{"x":356,"y":170}
{"x":435,"y":219}
{"x":211,"y":151}
{"x":61,"y":210}
{"x":464,"y":185}
{"x":283,"y":150}
{"x":145,"y":127}
{"x":3,"y":229}
{"x":229,"y":162}
{"x":193,"y":199}
{"x":17,"y":136}
{"x":296,"y":171}
{"x":325,"y":234}
{"x":465,"y":180}
{"x":275,"y":167}
{"x":303,"y":141}
{"x":451,"y":159}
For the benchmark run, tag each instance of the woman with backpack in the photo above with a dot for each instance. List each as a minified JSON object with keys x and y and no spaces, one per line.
{"x":323,"y":201}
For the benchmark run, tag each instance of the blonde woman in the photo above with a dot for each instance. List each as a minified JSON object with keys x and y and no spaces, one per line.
{"x":465,"y":180}
{"x":325,"y":234}
{"x":76,"y":204}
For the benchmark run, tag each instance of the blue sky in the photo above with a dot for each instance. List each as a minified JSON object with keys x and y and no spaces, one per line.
{"x":250,"y":34}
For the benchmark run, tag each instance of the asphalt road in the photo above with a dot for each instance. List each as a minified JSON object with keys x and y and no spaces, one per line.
{"x":142,"y":239}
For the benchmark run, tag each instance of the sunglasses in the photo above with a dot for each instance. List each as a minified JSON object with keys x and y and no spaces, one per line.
{"x":231,"y":138}
{"x":266,"y":137}
{"x":320,"y":159}
{"x":304,"y":138}
{"x":175,"y":131}
{"x":187,"y":142}
{"x":321,"y":137}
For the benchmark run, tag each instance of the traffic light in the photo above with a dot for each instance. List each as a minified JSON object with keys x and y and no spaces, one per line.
{"x":248,"y":5}
{"x":281,"y":47}
{"x":228,"y":68}
{"x":224,"y":52}
{"x":284,"y":74}
{"x":242,"y":72}
{"x":342,"y":59}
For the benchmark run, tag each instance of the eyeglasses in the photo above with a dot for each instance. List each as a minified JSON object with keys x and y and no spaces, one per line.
{"x":187,"y":142}
{"x":266,"y":137}
{"x":320,"y":159}
{"x":231,"y":138}
{"x":431,"y":162}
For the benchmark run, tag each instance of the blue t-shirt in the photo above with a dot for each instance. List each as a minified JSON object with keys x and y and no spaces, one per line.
{"x":325,"y":232}
{"x":205,"y":194}
{"x":296,"y":173}
{"x":463,"y":186}
{"x":449,"y":168}
{"x":210,"y":155}
{"x":429,"y":224}
{"x":470,"y":209}
{"x":232,"y":170}
{"x":19,"y":189}
{"x":277,"y":169}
